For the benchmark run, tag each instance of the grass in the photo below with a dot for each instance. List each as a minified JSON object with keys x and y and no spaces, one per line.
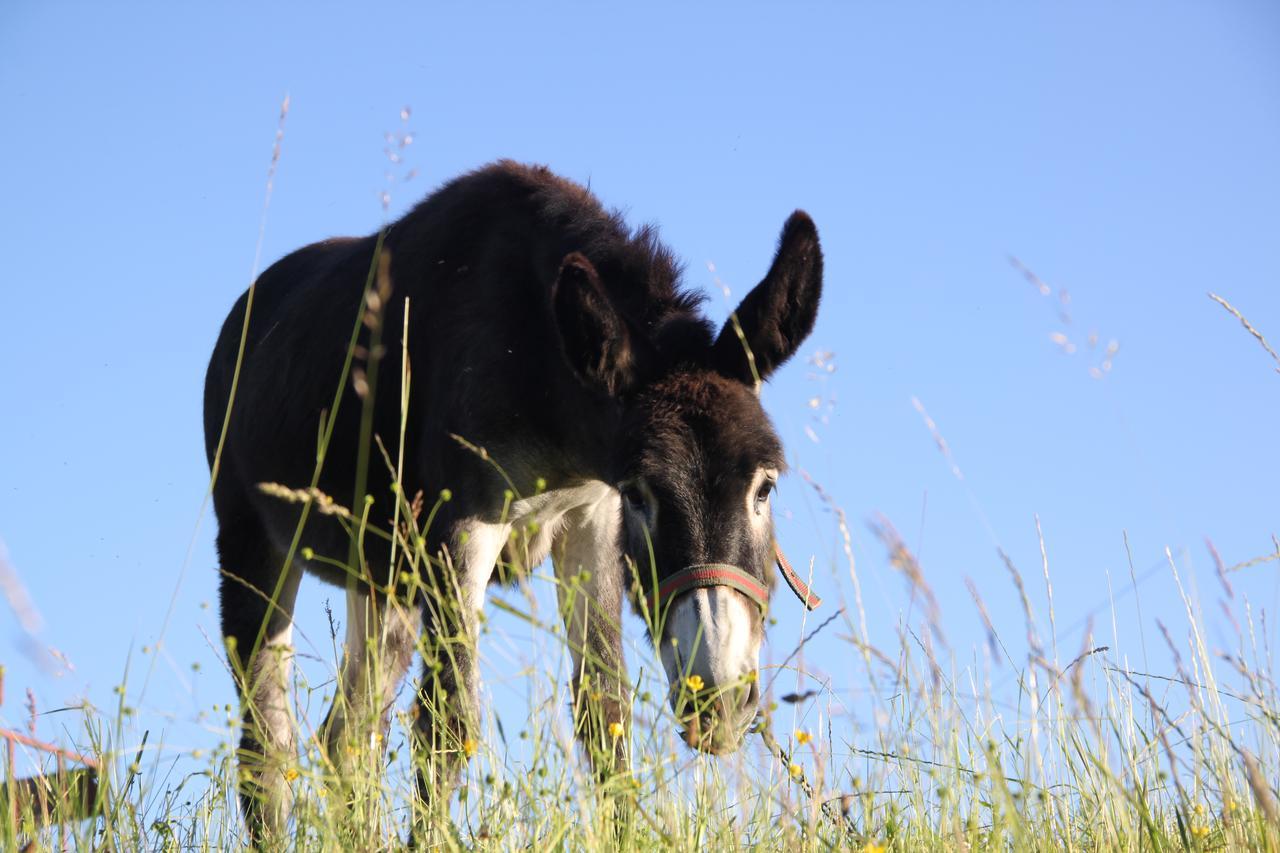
{"x":1091,"y":755}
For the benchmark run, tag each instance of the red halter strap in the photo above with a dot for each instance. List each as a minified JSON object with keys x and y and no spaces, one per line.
{"x":723,"y":574}
{"x":713,"y":574}
{"x":798,"y":586}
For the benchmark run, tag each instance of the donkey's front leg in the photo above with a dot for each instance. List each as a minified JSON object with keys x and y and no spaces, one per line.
{"x":448,"y":706}
{"x":590,"y":582}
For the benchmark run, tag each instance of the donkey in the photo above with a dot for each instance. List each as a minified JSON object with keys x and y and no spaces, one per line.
{"x":633,"y":450}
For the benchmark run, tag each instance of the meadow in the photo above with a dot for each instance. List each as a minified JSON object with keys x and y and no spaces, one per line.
{"x":1090,"y":755}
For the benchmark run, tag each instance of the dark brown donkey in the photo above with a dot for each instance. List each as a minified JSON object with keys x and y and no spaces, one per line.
{"x":629,"y":440}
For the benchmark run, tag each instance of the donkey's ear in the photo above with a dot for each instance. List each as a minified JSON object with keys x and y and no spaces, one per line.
{"x":595,"y":338}
{"x":778,"y":314}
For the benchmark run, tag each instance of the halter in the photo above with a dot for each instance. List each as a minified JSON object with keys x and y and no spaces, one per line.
{"x":724,"y":574}
{"x":798,"y":586}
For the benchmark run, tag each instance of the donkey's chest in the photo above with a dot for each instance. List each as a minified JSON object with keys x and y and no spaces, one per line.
{"x":536,"y":521}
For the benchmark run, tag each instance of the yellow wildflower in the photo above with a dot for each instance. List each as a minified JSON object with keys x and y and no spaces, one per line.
{"x":615,"y":730}
{"x":290,"y":774}
{"x":694,"y":683}
{"x":795,"y":770}
{"x":469,"y":746}
{"x":872,"y":847}
{"x":803,"y":737}
{"x":1199,"y":831}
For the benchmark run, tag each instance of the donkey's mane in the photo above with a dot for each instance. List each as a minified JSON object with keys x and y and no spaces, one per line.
{"x":641,"y":274}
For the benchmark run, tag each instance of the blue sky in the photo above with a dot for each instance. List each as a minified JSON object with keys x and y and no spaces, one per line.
{"x":1127,"y":153}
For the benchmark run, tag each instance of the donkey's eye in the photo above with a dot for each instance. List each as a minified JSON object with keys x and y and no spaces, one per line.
{"x":634,"y":498}
{"x":639,"y":502}
{"x":762,"y":496}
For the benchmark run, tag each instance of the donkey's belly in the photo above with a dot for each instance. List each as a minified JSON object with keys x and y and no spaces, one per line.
{"x":324,"y":548}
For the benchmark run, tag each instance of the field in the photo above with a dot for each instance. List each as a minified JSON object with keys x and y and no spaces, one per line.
{"x":1091,"y":757}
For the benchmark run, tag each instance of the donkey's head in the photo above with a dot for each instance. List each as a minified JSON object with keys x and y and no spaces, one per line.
{"x":696,"y":461}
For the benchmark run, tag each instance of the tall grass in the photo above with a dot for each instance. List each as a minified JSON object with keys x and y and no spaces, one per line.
{"x":1081,"y":751}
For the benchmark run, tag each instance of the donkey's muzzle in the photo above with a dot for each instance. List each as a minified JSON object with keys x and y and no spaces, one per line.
{"x":717,"y":726}
{"x":715,"y":695}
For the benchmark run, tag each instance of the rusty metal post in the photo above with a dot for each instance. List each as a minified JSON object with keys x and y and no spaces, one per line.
{"x":9,"y":778}
{"x":37,"y":789}
{"x":64,"y":802}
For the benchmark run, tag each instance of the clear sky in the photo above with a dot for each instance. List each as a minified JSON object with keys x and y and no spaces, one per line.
{"x":1128,"y":153}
